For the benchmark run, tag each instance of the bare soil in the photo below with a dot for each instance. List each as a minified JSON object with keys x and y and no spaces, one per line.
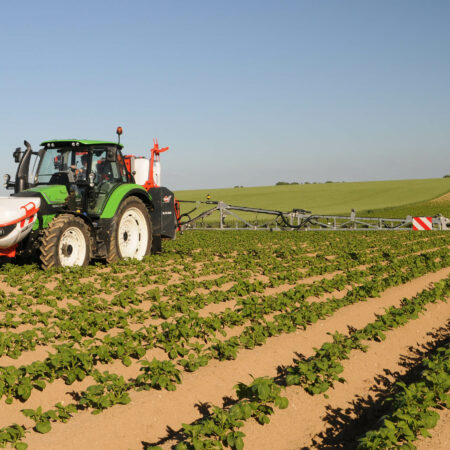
{"x":442,"y":199}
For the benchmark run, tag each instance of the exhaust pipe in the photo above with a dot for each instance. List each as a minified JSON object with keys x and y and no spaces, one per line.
{"x":23,"y":169}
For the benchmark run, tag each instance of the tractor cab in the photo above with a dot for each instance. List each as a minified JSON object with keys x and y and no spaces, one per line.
{"x":73,"y":162}
{"x":85,"y":171}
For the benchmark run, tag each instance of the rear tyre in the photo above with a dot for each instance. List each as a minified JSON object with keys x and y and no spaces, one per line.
{"x":66,"y":242}
{"x":131,"y":231}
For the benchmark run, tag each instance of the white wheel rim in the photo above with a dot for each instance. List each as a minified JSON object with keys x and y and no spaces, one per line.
{"x":72,"y":247}
{"x":133,"y":234}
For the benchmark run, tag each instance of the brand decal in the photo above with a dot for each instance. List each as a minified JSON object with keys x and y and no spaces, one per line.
{"x":167,"y":198}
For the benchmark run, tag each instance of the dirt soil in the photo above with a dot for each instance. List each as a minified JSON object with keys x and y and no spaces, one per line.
{"x":442,"y":199}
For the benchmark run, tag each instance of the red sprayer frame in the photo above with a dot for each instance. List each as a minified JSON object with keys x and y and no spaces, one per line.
{"x":150,"y":183}
{"x":155,"y":152}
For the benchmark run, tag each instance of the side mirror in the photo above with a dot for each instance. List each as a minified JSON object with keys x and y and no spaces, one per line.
{"x":111,"y":155}
{"x":17,"y":154}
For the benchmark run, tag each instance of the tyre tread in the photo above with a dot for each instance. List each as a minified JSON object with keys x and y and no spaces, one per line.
{"x":48,"y":248}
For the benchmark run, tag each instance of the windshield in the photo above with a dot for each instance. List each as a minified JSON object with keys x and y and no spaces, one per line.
{"x":60,"y":165}
{"x":53,"y":161}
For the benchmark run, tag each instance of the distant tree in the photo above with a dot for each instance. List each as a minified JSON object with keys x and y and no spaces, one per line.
{"x":294,"y":182}
{"x":281,"y":183}
{"x":329,"y":181}
{"x":446,"y":176}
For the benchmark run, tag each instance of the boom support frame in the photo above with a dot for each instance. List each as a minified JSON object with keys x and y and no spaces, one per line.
{"x":297,"y":219}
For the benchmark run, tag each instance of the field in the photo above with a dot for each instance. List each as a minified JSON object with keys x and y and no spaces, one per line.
{"x":440,"y":205}
{"x":333,"y":198}
{"x":255,"y":339}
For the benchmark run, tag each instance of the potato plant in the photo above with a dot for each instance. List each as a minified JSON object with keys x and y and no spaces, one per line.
{"x":263,"y":285}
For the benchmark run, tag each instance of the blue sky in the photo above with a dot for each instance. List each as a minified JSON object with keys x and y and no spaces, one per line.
{"x":244,"y":92}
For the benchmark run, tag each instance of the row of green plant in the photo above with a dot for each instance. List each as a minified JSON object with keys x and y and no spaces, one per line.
{"x":99,"y":314}
{"x":185,"y":328}
{"x":71,"y":363}
{"x":317,"y":374}
{"x":299,"y":314}
{"x":412,"y":411}
{"x":146,"y":272}
{"x":115,"y":278}
{"x":184,"y":261}
{"x":76,"y":323}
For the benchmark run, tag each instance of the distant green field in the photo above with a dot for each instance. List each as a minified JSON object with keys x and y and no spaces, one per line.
{"x":402,"y":197}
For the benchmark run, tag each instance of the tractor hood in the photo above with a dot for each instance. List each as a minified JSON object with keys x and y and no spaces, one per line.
{"x":53,"y":194}
{"x":51,"y":197}
{"x":17,"y":216}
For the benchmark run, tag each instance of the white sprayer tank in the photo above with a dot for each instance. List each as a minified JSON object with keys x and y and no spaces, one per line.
{"x":140,"y":166}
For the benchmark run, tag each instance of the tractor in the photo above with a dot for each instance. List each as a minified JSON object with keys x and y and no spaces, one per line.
{"x":85,"y":200}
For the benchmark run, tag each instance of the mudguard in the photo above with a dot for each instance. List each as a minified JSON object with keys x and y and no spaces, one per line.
{"x":121,"y":192}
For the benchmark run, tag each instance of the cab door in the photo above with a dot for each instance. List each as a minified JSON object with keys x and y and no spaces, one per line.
{"x":109,"y":171}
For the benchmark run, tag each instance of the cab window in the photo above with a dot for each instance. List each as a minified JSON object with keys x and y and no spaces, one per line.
{"x":104,"y":170}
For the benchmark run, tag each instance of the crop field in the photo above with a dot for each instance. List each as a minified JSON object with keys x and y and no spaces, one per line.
{"x":251,"y":340}
{"x":334,"y":198}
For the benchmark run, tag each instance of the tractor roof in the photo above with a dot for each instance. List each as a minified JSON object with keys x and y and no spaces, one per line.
{"x":65,"y":142}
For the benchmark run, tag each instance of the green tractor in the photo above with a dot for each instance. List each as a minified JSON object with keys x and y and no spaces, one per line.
{"x":85,"y":200}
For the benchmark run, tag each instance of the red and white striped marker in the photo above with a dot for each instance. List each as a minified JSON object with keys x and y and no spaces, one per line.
{"x":422,"y":223}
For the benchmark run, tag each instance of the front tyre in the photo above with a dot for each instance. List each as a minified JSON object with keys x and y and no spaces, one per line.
{"x":66,"y":242}
{"x":131,"y":231}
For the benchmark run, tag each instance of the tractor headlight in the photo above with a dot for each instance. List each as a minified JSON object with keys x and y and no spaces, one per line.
{"x":7,"y":178}
{"x":4,"y":231}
